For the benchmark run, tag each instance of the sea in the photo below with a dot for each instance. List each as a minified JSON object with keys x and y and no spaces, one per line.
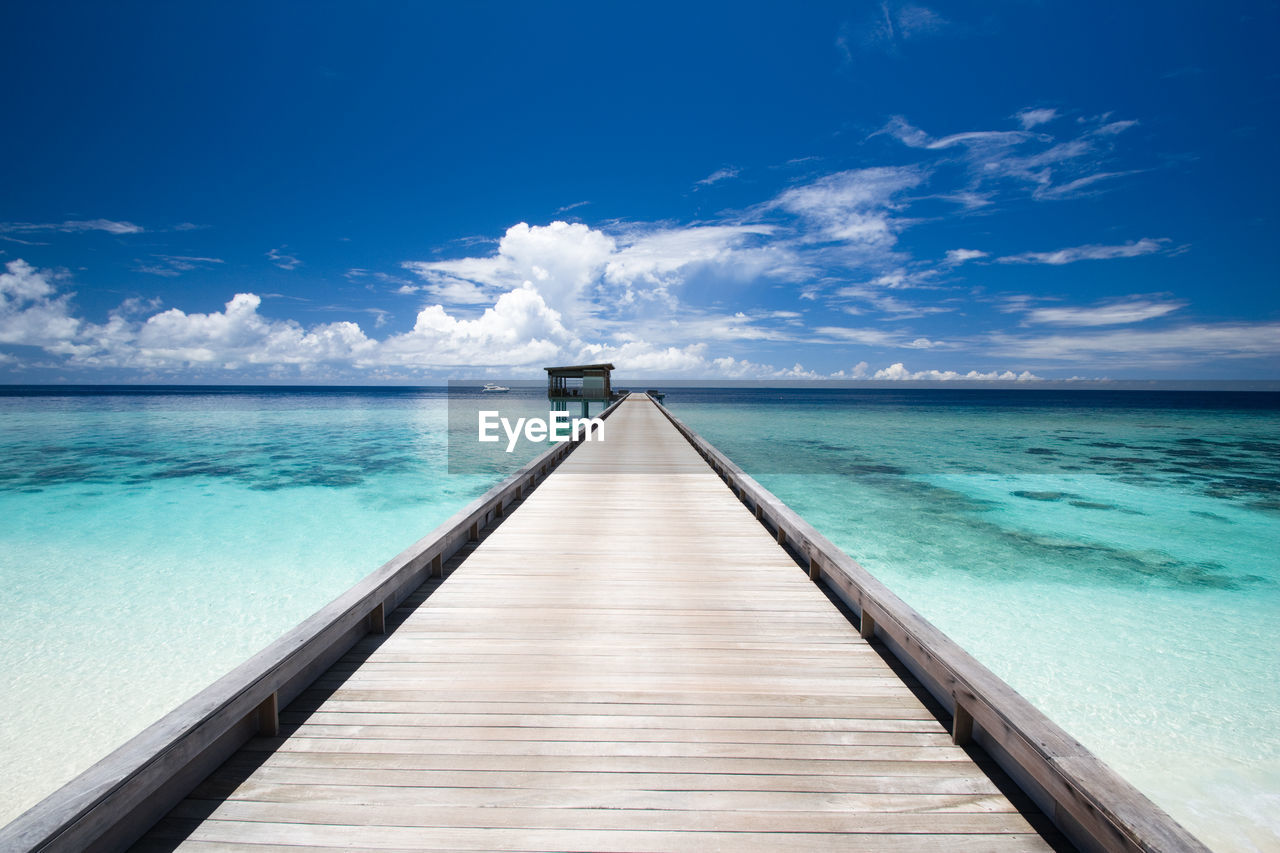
{"x":1113,"y":555}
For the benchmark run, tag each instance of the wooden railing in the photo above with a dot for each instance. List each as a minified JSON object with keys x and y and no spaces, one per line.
{"x":115,"y":801}
{"x":1086,"y":799}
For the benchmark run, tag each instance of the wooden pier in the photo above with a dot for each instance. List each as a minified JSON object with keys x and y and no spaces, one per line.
{"x":664,"y":678}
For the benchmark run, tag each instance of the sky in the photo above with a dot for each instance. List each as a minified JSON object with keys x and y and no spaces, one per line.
{"x":403,"y":193}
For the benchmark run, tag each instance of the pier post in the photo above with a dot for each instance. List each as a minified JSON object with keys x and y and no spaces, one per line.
{"x":961,"y":725}
{"x":866,"y":625}
{"x":378,"y":619}
{"x":269,"y":716}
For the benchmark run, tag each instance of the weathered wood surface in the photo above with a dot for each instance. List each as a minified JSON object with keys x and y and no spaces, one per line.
{"x":664,"y":678}
{"x":114,"y":801}
{"x":1088,"y":800}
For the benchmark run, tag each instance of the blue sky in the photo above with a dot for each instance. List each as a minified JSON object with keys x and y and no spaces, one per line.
{"x":407,"y":192}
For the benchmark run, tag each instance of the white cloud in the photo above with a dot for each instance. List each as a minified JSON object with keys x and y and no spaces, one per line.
{"x":854,"y":206}
{"x":1034,"y":117}
{"x":899,"y":372}
{"x":724,"y":174}
{"x":520,"y":329}
{"x":1051,"y":168}
{"x":583,"y":272}
{"x":282,"y":260}
{"x":72,"y":226}
{"x":955,"y":257}
{"x":562,"y":260}
{"x":891,"y":24}
{"x":30,"y":312}
{"x":1170,"y":347}
{"x":1092,"y":252}
{"x":913,"y":137}
{"x":877,"y":337}
{"x":1105,"y":314}
{"x":900,"y":309}
{"x":171,"y":266}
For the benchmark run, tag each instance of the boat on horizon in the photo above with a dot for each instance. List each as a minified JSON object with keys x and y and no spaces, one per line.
{"x":492,"y":388}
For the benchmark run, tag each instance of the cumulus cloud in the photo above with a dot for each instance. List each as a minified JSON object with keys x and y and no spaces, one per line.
{"x":899,"y":372}
{"x":582,"y":271}
{"x":31,"y":314}
{"x":1092,"y":252}
{"x":520,"y":329}
{"x":562,"y":260}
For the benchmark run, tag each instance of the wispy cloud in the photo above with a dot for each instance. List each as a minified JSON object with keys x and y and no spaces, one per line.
{"x":1035,"y":116}
{"x":367,"y":277}
{"x":955,"y":257}
{"x":72,"y":226}
{"x":723,"y":174}
{"x":853,"y":206}
{"x":1092,"y":252}
{"x":1112,"y":313}
{"x":282,"y":260}
{"x":997,"y":160}
{"x":1144,"y":348}
{"x":171,"y":266}
{"x":569,"y":207}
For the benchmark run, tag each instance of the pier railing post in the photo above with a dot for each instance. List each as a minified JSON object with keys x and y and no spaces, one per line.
{"x":269,"y":716}
{"x":961,"y":725}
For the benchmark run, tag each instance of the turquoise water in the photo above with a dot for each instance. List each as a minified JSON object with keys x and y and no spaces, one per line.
{"x":150,"y":542}
{"x":1115,"y":558}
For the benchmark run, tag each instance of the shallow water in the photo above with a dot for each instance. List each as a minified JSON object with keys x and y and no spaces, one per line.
{"x":150,"y":542}
{"x":1113,"y":557}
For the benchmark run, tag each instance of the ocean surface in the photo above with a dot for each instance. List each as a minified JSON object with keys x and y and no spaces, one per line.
{"x":1115,"y":556}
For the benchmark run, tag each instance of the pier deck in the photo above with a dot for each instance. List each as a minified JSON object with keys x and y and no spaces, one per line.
{"x":667,"y":678}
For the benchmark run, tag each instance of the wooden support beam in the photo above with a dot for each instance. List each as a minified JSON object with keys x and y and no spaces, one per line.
{"x":269,"y":716}
{"x":867,"y":625}
{"x":437,"y":566}
{"x":961,"y":725}
{"x":378,"y":619}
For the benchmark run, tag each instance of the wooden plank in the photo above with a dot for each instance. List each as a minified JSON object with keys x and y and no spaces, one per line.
{"x":671,"y":681}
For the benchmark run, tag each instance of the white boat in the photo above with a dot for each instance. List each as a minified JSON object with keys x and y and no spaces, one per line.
{"x":491,"y":388}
